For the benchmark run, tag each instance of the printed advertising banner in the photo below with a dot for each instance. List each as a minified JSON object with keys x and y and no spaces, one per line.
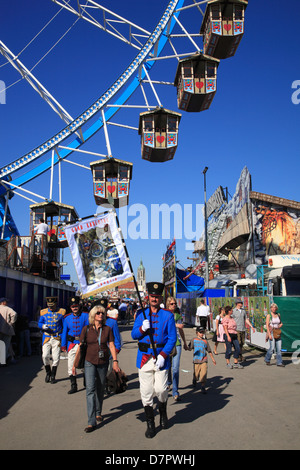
{"x":98,"y":253}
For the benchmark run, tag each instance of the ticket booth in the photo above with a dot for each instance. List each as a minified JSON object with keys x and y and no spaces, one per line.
{"x":159,"y":134}
{"x":223,"y":27}
{"x":196,"y":82}
{"x":111,"y":181}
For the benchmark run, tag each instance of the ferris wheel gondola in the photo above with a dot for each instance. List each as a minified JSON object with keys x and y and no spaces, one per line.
{"x":159,"y":134}
{"x":223,"y":27}
{"x":196,"y":82}
{"x":111,"y":181}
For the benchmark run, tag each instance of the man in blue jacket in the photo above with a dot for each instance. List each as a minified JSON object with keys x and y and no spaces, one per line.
{"x":157,"y":331}
{"x":51,"y":322}
{"x":73,"y":325}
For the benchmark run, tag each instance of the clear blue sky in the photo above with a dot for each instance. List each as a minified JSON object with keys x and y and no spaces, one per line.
{"x":252,"y":120}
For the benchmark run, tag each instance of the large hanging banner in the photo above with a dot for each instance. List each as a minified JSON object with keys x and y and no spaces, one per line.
{"x":98,"y":253}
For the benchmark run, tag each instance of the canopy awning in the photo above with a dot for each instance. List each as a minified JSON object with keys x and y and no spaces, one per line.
{"x":187,"y":282}
{"x":237,"y":233}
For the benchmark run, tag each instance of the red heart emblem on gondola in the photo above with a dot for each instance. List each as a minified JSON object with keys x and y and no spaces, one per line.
{"x":111,"y":189}
{"x":160,"y":139}
{"x":227,"y":27}
{"x":199,"y":85}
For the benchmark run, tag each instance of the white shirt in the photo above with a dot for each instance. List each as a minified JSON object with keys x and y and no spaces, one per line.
{"x":42,"y":229}
{"x":203,"y":311}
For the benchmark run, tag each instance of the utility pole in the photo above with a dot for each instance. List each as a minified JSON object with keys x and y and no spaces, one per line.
{"x":205,"y":225}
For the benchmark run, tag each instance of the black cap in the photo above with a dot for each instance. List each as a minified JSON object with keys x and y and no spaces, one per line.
{"x":52,"y":300}
{"x":155,"y":288}
{"x":200,"y":329}
{"x":100,"y":302}
{"x":74,"y":300}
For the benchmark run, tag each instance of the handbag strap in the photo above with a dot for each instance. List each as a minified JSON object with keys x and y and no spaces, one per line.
{"x":86,"y":332}
{"x":99,"y":337}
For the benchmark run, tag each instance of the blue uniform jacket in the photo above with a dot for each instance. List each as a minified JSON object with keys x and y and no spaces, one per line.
{"x":115,"y":329}
{"x":54,"y":322}
{"x":73,"y":325}
{"x":164,"y":334}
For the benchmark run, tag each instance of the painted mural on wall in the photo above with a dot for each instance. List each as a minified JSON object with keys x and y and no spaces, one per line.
{"x":276,"y":229}
{"x":222,"y":218}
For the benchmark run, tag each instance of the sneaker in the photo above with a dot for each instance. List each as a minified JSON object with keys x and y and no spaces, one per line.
{"x":229,"y":366}
{"x":177,"y":398}
{"x":238,"y":366}
{"x":280,"y":365}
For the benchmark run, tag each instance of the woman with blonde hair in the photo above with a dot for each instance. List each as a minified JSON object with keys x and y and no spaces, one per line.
{"x":100,"y":344}
{"x":274,"y":326}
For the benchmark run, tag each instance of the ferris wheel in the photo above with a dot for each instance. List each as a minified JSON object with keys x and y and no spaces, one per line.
{"x":221,"y":27}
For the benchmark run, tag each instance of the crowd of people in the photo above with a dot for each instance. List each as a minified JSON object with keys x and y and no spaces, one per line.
{"x":159,"y":330}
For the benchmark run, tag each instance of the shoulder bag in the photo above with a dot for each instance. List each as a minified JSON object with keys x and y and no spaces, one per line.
{"x":80,"y":358}
{"x":276,"y":333}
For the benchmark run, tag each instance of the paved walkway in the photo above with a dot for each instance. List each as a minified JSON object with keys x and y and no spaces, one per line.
{"x":253,"y":408}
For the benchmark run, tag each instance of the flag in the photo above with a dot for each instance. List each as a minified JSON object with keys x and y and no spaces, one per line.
{"x":198,"y":266}
{"x":98,"y":253}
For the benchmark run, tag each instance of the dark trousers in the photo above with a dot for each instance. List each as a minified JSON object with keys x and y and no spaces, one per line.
{"x":203,"y":322}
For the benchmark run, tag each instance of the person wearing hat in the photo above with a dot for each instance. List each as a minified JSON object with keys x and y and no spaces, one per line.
{"x":51,"y":322}
{"x":155,"y":331}
{"x":240,"y":317}
{"x":201,"y":349}
{"x":73,"y":325}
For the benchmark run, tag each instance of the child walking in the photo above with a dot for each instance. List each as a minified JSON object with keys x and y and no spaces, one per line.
{"x":201,"y":349}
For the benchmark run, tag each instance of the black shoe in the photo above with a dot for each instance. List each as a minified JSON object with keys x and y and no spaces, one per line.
{"x":48,"y":374}
{"x":53,"y":374}
{"x":73,"y":385}
{"x":150,"y":431}
{"x":90,"y":429}
{"x":163,"y":414}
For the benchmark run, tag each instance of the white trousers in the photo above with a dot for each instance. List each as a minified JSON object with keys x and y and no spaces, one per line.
{"x":71,"y":358}
{"x":51,"y":348}
{"x":153,"y":382}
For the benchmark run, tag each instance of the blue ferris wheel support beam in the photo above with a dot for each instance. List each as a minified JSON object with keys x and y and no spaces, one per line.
{"x":158,"y":39}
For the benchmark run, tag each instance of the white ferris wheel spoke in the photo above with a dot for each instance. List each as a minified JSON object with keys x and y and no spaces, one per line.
{"x":36,"y":85}
{"x":108,"y":20}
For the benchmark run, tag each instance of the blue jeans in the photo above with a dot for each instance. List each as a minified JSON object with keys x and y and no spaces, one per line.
{"x":95,"y":377}
{"x":275,"y":345}
{"x":235,"y":344}
{"x":174,"y":371}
